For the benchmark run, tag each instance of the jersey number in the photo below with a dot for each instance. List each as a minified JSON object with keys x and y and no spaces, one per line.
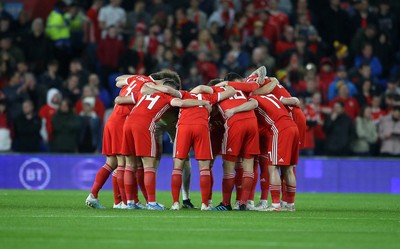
{"x":130,"y":88}
{"x":238,"y":95}
{"x":272,"y":99}
{"x":153,"y":101}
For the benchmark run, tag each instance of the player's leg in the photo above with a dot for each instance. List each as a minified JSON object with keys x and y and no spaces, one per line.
{"x":205,"y":183}
{"x":140,"y":178}
{"x":186,"y":176}
{"x":275,"y":188}
{"x":130,"y":183}
{"x":247,"y":181}
{"x":150,"y":182}
{"x":120,"y":176}
{"x":238,"y":182}
{"x":290,"y":179}
{"x":264,"y":183}
{"x":118,"y":203}
{"x":250,"y":202}
{"x":176,"y":182}
{"x":228,"y":183}
{"x":101,"y":177}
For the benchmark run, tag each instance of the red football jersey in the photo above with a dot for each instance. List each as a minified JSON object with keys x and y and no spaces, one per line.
{"x":236,"y":100}
{"x":133,"y":86}
{"x":271,"y":113}
{"x":149,"y":109}
{"x":280,"y":91}
{"x":198,"y":114}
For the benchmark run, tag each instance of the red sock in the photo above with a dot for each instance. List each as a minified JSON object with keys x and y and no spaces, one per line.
{"x":238,"y":179}
{"x":117,"y":196}
{"x":130,"y":184}
{"x":150,"y":183}
{"x":101,"y":177}
{"x":120,"y":179}
{"x":255,"y":180}
{"x":283,"y":183}
{"x":228,"y":182}
{"x":211,"y":184}
{"x":176,"y":184}
{"x":205,"y":185}
{"x":264,"y":181}
{"x":247,"y":184}
{"x":275,"y":193}
{"x":140,"y":181}
{"x":291,"y":193}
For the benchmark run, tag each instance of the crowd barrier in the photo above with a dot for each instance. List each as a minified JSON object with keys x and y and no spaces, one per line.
{"x":334,"y":175}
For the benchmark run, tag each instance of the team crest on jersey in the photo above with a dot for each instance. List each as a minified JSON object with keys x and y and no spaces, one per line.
{"x":230,"y":150}
{"x":281,"y":160}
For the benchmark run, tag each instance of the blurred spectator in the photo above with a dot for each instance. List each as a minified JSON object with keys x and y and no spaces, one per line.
{"x":361,"y":73}
{"x":261,"y":57}
{"x":366,"y":132}
{"x":76,"y":21}
{"x":98,"y":106}
{"x":169,"y":62}
{"x":71,"y":90}
{"x":66,"y":126}
{"x":362,"y":16}
{"x":271,"y":29}
{"x":277,"y":16}
{"x":185,"y":29}
{"x":196,"y":15}
{"x":376,"y":111}
{"x":43,"y":48}
{"x":350,"y":103}
{"x":341,"y":77}
{"x":109,"y":52}
{"x":257,"y":39}
{"x":90,"y":129}
{"x":194,"y":79}
{"x":112,"y":15}
{"x":15,"y":94}
{"x":309,"y":87}
{"x":312,"y":119}
{"x":5,"y":127}
{"x":368,"y":56}
{"x":152,"y":40}
{"x":27,"y":129}
{"x":207,"y":69}
{"x":242,"y":57}
{"x":76,"y":68}
{"x":136,"y":16}
{"x":341,"y":54}
{"x":5,"y":27}
{"x":339,"y":131}
{"x":389,"y":133}
{"x":231,"y":65}
{"x":206,"y":42}
{"x":57,"y":30}
{"x":47,"y":112}
{"x":287,"y":42}
{"x":337,"y":30}
{"x":326,"y":76}
{"x":50,"y":78}
{"x":92,"y":34}
{"x":364,"y":97}
{"x":94,"y":82}
{"x":4,"y":13}
{"x":15,"y":53}
{"x":159,"y":10}
{"x":36,"y":93}
{"x":367,"y":35}
{"x":393,"y":86}
{"x":169,"y":40}
{"x":223,"y":16}
{"x":388,"y":21}
{"x":135,"y":60}
{"x":384,"y":52}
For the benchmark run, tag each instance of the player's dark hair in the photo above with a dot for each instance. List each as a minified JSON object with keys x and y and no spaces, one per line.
{"x":166,"y":73}
{"x":172,"y":83}
{"x":232,"y":77}
{"x":213,"y":82}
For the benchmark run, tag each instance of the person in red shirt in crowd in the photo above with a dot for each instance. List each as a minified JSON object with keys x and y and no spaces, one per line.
{"x":207,"y":69}
{"x":271,"y":29}
{"x":312,"y":119}
{"x":277,"y":16}
{"x":326,"y":75}
{"x":287,"y":41}
{"x":377,"y":112}
{"x":47,"y":112}
{"x":99,"y":109}
{"x":352,"y":107}
{"x":93,"y":31}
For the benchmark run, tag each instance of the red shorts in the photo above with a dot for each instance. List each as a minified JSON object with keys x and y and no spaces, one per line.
{"x":113,"y":136}
{"x":216,"y":141}
{"x":197,"y":136}
{"x":139,"y":141}
{"x":283,"y":149}
{"x":241,"y":138}
{"x":300,"y":119}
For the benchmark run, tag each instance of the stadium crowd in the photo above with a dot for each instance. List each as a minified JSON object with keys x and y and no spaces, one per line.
{"x":341,"y":58}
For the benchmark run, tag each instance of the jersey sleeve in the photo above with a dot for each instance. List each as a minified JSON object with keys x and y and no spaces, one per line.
{"x":244,"y":87}
{"x":218,"y":89}
{"x":213,"y":98}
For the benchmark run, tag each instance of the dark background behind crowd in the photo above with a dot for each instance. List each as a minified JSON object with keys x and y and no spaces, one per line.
{"x":341,"y":58}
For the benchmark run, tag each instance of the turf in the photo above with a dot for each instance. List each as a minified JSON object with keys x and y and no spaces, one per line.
{"x":59,"y":219}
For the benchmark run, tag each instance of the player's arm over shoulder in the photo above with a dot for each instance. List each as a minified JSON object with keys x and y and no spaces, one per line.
{"x":202,"y":89}
{"x":125,"y":100}
{"x":150,"y":88}
{"x":267,"y":88}
{"x":292,"y":101}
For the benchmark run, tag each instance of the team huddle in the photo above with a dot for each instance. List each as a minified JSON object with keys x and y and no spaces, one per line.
{"x":252,"y":122}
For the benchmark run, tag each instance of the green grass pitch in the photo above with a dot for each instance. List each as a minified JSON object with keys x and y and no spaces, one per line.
{"x":59,"y":219}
